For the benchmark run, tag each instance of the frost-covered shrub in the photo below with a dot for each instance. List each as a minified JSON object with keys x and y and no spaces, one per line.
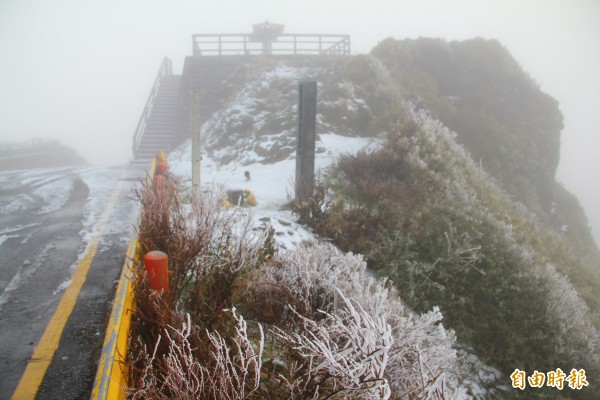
{"x":322,"y":326}
{"x":426,"y":216}
{"x":344,"y":354}
{"x":578,"y":340}
{"x":321,"y":279}
{"x":230,"y":371}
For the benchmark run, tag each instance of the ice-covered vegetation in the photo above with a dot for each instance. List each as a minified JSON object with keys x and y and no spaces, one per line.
{"x":453,"y":210}
{"x":244,"y":320}
{"x":424,"y":215}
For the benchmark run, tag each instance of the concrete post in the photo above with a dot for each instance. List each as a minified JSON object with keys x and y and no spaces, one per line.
{"x":196,"y":141}
{"x":305,"y":139}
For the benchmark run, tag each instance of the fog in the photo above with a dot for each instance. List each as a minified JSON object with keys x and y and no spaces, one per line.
{"x":80,"y":70}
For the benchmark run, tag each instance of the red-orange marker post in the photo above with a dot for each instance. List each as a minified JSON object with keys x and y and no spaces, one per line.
{"x":157,"y":267}
{"x":161,"y":184}
{"x":161,"y":168}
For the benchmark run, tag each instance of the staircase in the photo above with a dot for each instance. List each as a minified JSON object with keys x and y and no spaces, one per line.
{"x":155,"y":128}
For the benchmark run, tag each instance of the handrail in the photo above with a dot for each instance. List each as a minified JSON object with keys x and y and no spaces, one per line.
{"x":285,"y":44}
{"x":166,"y":69}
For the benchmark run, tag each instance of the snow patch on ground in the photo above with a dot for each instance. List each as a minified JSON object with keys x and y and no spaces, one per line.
{"x":54,"y":195}
{"x":258,"y":123}
{"x":102,"y":182}
{"x":4,"y":238}
{"x":18,"y":203}
{"x":62,"y":286}
{"x":272,"y":184}
{"x":25,"y":271}
{"x":52,"y":188}
{"x":49,"y":189}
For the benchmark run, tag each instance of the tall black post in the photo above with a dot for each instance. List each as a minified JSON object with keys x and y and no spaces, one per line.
{"x":305,"y":139}
{"x":196,"y":157}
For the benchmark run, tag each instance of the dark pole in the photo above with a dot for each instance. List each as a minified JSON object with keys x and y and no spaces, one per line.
{"x":305,"y":139}
{"x":196,"y":141}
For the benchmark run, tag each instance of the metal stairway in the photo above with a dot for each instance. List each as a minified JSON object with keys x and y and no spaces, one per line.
{"x":155,"y":127}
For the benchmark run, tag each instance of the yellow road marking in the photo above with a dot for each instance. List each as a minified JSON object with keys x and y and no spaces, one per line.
{"x":42,"y":355}
{"x":112,"y":374}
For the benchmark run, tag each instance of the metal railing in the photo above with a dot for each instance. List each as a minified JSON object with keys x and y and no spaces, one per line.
{"x":166,"y":69}
{"x":285,"y":44}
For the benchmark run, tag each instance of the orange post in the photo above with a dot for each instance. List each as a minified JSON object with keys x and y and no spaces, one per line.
{"x":157,"y":267}
{"x":161,"y":184}
{"x":161,"y":168}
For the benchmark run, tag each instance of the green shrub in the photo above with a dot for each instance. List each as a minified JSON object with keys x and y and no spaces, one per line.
{"x":424,"y":215}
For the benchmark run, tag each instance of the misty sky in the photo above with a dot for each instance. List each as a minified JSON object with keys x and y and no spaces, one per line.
{"x":81,"y":70}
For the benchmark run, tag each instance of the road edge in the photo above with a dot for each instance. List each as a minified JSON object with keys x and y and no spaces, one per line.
{"x":112,"y":373}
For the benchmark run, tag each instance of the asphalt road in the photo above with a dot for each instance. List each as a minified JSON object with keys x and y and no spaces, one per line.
{"x":48,"y":221}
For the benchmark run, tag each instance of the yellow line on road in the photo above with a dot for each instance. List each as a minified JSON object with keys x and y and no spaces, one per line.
{"x":42,"y":355}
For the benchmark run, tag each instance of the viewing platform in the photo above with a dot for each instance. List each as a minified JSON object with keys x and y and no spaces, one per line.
{"x":165,"y":121}
{"x":268,"y":39}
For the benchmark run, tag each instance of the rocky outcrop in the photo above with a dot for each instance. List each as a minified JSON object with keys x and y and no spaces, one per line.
{"x":499,"y":113}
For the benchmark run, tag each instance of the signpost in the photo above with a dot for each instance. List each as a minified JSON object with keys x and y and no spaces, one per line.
{"x":196,"y":157}
{"x":305,"y":139}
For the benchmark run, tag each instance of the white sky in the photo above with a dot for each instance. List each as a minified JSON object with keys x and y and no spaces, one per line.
{"x":81,"y":70}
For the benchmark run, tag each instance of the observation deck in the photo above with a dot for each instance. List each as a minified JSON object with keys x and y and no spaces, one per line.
{"x":268,"y":39}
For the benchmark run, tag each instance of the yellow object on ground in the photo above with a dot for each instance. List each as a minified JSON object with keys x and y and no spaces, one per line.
{"x":241,"y":198}
{"x":250,"y":198}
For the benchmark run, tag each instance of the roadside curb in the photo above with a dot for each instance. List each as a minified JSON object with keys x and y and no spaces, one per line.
{"x":112,"y":374}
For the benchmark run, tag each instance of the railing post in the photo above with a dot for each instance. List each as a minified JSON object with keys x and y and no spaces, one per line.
{"x":169,"y":67}
{"x":305,"y":140}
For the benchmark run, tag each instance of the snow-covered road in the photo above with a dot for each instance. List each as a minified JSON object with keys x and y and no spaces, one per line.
{"x":49,"y":219}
